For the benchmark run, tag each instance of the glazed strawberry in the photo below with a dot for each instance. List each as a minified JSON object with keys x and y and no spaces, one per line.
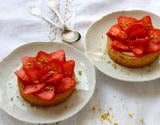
{"x":153,"y":47}
{"x":55,"y":66}
{"x":65,"y":84}
{"x":29,"y":89}
{"x":134,"y":26}
{"x":137,"y":33}
{"x":58,"y":55}
{"x":54,"y":79}
{"x":42,"y":59}
{"x":124,"y":22}
{"x":68,"y":67}
{"x":28,"y":62}
{"x":48,"y":93}
{"x":147,"y":22}
{"x":120,"y":46}
{"x":138,"y":47}
{"x":115,"y":32}
{"x":23,"y":76}
{"x":154,"y":35}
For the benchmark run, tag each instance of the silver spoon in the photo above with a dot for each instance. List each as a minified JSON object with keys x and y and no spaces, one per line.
{"x":67,"y":35}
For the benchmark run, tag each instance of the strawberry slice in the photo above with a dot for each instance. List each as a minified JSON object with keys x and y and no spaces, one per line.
{"x":29,"y":89}
{"x":115,"y":32}
{"x":147,"y":22}
{"x":54,"y":79}
{"x":137,"y":33}
{"x":48,"y":93}
{"x":137,"y":25}
{"x":124,"y":22}
{"x":120,"y":46}
{"x":42,"y":59}
{"x":33,"y":74}
{"x":55,"y":66}
{"x":22,"y":76}
{"x":153,"y":47}
{"x":58,"y":55}
{"x":65,"y":84}
{"x":46,"y":76}
{"x":154,"y":35}
{"x":28,"y":62}
{"x":68,"y":67}
{"x":138,"y":47}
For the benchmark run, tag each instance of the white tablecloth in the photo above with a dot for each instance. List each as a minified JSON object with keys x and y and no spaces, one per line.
{"x":131,"y":103}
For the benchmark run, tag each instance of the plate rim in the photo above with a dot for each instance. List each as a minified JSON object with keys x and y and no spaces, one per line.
{"x":68,"y":116}
{"x":101,"y":18}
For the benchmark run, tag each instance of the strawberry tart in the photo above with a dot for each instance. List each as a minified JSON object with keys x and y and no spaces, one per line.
{"x":46,"y":79}
{"x":133,"y":42}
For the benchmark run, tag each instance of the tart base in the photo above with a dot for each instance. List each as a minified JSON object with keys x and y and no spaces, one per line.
{"x":129,"y":60}
{"x":59,"y":98}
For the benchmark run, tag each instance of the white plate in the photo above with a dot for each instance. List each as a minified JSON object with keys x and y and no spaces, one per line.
{"x":96,"y":48}
{"x":12,"y":103}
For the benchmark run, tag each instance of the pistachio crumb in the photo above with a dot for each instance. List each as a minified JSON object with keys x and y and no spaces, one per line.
{"x":115,"y":123}
{"x":80,"y":72}
{"x":141,"y":120}
{"x":131,"y":115}
{"x":93,"y":108}
{"x":114,"y":65}
{"x":12,"y":99}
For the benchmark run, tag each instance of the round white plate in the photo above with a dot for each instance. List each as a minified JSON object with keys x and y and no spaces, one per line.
{"x":96,"y":49}
{"x":12,"y":103}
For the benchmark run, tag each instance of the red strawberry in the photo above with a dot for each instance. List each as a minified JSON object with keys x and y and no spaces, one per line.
{"x":65,"y":84}
{"x":29,"y":89}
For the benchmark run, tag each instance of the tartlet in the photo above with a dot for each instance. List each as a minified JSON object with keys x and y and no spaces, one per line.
{"x":47,"y":79}
{"x":133,"y":43}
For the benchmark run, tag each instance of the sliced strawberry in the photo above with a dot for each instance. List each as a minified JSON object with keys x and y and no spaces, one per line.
{"x":58,"y":55}
{"x":55,"y":66}
{"x":68,"y":67}
{"x":137,"y":33}
{"x":65,"y":84}
{"x":124,"y":22}
{"x":115,"y":32}
{"x":154,"y":35}
{"x":33,"y":74}
{"x":138,"y":47}
{"x":42,"y":59}
{"x":147,"y":22}
{"x":22,"y":76}
{"x":138,"y":51}
{"x":54,"y":79}
{"x":139,"y":42}
{"x":153,"y":47}
{"x":138,"y":25}
{"x":120,"y":46}
{"x":28,"y":62}
{"x":48,"y":93}
{"x":29,"y":89}
{"x":46,"y":76}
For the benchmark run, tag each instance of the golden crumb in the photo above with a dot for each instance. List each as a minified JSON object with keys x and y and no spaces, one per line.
{"x":141,"y":120}
{"x":131,"y":115}
{"x":106,"y":116}
{"x":93,"y":108}
{"x":114,"y":65}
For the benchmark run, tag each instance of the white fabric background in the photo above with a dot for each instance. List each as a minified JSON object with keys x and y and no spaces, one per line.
{"x":17,"y":27}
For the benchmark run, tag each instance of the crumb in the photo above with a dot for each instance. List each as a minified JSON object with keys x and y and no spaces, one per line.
{"x":114,"y":96}
{"x":108,"y":62}
{"x":114,"y":65}
{"x":131,"y":115}
{"x":80,"y":72}
{"x":99,"y":110}
{"x":12,"y":99}
{"x":102,"y":36}
{"x":93,"y":108}
{"x":106,"y":116}
{"x":110,"y":108}
{"x":115,"y":123}
{"x":141,"y":120}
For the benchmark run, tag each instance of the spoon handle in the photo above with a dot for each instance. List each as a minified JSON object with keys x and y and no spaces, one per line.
{"x":54,"y":9}
{"x":50,"y":21}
